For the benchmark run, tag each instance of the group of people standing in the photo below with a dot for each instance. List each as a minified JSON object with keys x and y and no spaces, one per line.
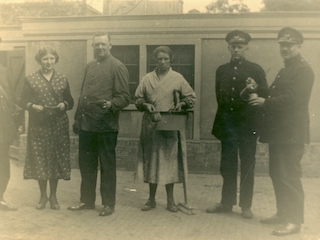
{"x":279,"y":115}
{"x":244,"y":100}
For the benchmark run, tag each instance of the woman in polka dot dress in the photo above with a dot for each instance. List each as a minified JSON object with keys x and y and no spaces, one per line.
{"x":47,"y":97}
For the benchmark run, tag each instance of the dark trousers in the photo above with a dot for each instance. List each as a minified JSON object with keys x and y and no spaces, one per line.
{"x":285,"y":173}
{"x":94,"y":148}
{"x":229,"y":170}
{"x":4,"y":167}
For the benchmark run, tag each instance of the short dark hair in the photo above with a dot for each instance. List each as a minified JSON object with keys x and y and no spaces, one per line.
{"x":163,"y":49}
{"x":44,"y":51}
{"x":99,"y":34}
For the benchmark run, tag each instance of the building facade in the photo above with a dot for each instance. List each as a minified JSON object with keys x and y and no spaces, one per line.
{"x":199,"y":47}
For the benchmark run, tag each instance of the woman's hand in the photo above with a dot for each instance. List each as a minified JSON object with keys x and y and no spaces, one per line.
{"x":149,"y":107}
{"x":179,"y":106}
{"x":61,"y":106}
{"x":37,"y":108}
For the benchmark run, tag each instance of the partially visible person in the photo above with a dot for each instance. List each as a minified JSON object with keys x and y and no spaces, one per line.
{"x":161,"y":152}
{"x":46,"y":96}
{"x":235,"y":123}
{"x":286,"y":129}
{"x":105,"y":91}
{"x":7,"y":135}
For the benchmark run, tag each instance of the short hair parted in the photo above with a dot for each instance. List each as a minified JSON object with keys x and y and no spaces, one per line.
{"x":163,"y":49}
{"x":44,"y":51}
{"x":99,"y":34}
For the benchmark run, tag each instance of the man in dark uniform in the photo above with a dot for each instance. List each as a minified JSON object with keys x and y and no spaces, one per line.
{"x":234,"y":123}
{"x":7,"y":135}
{"x":287,"y":130}
{"x":105,"y":91}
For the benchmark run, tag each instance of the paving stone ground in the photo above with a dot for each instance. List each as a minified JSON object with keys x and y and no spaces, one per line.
{"x":129,"y":222}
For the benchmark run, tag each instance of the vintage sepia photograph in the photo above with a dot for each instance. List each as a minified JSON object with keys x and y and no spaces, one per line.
{"x":159,"y":119}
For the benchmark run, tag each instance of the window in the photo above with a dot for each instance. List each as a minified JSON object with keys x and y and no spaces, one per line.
{"x":183,"y":60}
{"x":129,"y":56}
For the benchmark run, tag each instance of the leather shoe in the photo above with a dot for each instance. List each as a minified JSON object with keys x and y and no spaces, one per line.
{"x":81,"y":206}
{"x":272,"y":220}
{"x":287,"y":229}
{"x":172,"y":207}
{"x":246,"y":213}
{"x":149,"y":205}
{"x":5,"y":206}
{"x":106,"y":211}
{"x":220,"y":208}
{"x":42,"y":203}
{"x":54,"y":203}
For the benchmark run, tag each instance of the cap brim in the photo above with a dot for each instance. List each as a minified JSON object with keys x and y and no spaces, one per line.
{"x":237,"y":41}
{"x":287,"y":41}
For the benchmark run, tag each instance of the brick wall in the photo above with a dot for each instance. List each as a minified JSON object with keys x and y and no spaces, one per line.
{"x":203,"y":156}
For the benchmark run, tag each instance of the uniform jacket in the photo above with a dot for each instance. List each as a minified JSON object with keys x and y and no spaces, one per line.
{"x":286,"y":114}
{"x":106,"y":80}
{"x":7,"y":127}
{"x":234,"y":118}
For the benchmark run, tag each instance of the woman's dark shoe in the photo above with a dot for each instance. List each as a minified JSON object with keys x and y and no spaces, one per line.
{"x":172,"y":207}
{"x":42,"y":203}
{"x":54,"y":203}
{"x":7,"y":207}
{"x":149,"y":205}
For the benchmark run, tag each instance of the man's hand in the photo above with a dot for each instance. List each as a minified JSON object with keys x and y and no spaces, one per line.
{"x":251,"y":81}
{"x":106,"y":104}
{"x":150,"y":108}
{"x":252,"y":86}
{"x":259,"y":101}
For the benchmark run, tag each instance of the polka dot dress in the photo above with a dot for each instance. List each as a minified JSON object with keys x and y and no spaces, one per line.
{"x":48,"y":142}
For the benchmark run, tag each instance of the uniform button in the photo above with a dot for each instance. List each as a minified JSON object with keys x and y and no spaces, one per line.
{"x":232,"y":99}
{"x":231,"y":109}
{"x":278,"y":76}
{"x":273,"y":86}
{"x":232,"y":89}
{"x":235,"y":68}
{"x":82,"y":115}
{"x":234,"y":78}
{"x":85,"y":97}
{"x":269,"y":96}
